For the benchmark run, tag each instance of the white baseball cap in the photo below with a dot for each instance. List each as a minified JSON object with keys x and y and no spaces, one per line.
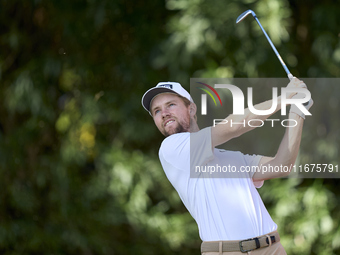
{"x":163,"y":87}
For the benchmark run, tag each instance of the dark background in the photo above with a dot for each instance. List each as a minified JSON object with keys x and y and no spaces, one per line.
{"x":79,"y":172}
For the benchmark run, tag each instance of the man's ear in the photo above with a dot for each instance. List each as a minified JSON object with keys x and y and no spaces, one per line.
{"x":193,"y":109}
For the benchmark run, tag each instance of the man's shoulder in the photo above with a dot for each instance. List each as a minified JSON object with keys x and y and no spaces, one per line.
{"x":174,"y":152}
{"x":176,"y":137}
{"x":175,"y":140}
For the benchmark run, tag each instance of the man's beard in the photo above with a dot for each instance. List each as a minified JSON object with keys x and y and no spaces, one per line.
{"x":180,"y":128}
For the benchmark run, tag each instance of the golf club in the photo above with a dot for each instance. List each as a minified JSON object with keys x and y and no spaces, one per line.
{"x":245,"y":14}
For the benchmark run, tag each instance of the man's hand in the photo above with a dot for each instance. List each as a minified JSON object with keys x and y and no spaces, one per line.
{"x":295,"y":83}
{"x":307,"y":105}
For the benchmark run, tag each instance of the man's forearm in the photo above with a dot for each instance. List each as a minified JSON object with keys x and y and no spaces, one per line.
{"x":290,"y":144}
{"x":287,"y":152}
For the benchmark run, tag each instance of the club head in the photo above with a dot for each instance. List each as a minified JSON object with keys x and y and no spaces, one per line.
{"x":245,"y":14}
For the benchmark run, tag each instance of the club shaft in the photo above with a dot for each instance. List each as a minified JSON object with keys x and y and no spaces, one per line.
{"x":290,"y":76}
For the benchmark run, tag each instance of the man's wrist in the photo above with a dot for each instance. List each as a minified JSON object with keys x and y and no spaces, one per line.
{"x":296,"y":116}
{"x":296,"y":110}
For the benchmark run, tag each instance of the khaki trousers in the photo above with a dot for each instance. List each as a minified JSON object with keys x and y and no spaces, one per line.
{"x":275,"y":249}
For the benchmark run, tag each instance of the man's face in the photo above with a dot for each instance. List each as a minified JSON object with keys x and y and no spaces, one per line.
{"x":170,"y":114}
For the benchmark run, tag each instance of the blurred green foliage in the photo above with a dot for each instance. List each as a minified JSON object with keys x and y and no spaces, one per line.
{"x":79,"y":172}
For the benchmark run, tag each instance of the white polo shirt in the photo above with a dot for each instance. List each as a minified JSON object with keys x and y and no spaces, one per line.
{"x":224,"y":208}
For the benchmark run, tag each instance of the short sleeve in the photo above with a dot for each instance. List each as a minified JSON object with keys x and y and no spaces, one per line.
{"x":175,"y":150}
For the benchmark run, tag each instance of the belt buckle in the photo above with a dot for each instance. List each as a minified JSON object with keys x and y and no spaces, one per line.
{"x":250,"y":239}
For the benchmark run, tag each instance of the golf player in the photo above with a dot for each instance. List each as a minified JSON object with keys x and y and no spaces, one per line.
{"x":230,"y":214}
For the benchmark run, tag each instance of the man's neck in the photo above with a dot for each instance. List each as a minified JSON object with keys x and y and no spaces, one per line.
{"x":193,"y":126}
